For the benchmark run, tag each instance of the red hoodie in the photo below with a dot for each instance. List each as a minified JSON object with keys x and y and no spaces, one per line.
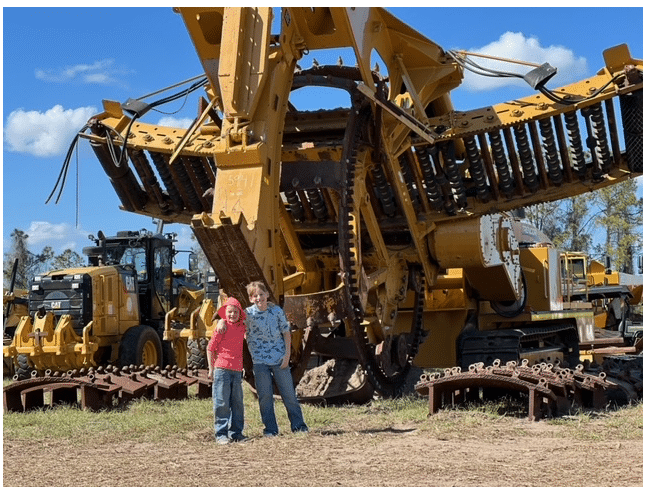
{"x":226,"y":349}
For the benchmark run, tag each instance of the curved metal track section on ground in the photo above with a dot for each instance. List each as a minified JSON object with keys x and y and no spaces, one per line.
{"x":551,"y":390}
{"x":104,"y":388}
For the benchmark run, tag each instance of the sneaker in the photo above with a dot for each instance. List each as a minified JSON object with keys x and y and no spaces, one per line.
{"x":240,"y":438}
{"x":269,"y":434}
{"x":222,"y":440}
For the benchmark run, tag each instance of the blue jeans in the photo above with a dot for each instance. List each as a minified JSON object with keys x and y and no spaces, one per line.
{"x":228,"y":408}
{"x":263,"y":374}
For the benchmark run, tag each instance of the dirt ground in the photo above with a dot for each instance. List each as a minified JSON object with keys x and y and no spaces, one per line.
{"x":507,"y":452}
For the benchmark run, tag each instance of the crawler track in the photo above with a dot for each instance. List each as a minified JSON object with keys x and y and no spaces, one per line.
{"x":551,"y":390}
{"x":104,"y":388}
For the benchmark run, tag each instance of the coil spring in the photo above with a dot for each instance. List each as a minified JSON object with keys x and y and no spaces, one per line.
{"x":576,"y":149}
{"x":187,"y":185}
{"x":165,"y":174}
{"x":550,"y":151}
{"x":477,"y":170}
{"x":382,"y":190}
{"x":409,"y":181}
{"x":317,"y":203}
{"x":506,"y":182}
{"x":600,"y":134}
{"x":200,"y":173}
{"x":453,"y":175}
{"x":296,"y":207}
{"x":526,"y":158}
{"x":146,"y":175}
{"x":431,"y":186}
{"x":445,"y":188}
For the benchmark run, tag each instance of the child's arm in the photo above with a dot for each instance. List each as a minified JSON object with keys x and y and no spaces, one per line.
{"x":210,"y":361}
{"x":287,"y":338}
{"x":211,"y":353}
{"x":221,"y":326}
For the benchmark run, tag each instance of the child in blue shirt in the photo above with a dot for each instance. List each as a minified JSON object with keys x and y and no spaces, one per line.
{"x":269,"y":341}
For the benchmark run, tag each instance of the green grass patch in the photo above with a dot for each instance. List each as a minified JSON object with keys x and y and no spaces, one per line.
{"x":192,"y":419}
{"x":622,"y":424}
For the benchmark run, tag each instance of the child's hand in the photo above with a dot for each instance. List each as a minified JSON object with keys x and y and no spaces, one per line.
{"x":210,"y":374}
{"x":221,"y":328}
{"x":286,"y":361}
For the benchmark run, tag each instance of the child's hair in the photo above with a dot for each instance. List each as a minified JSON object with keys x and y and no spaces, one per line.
{"x":256,"y":285}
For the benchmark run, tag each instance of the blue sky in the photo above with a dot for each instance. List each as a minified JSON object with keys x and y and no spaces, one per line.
{"x":59,"y":63}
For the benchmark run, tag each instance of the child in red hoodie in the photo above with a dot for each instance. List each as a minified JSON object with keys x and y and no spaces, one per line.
{"x":225,"y":359}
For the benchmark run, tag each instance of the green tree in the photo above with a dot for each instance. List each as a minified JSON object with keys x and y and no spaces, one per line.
{"x":66,"y":260}
{"x":31,"y":264}
{"x":25,"y":258}
{"x":576,"y":224}
{"x":545,"y":217}
{"x":620,"y":216}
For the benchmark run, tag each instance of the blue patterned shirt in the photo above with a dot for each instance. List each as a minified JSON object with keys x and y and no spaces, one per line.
{"x":265,"y":334}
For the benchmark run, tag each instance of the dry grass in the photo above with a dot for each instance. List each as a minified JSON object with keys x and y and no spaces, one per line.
{"x":149,"y":421}
{"x":383,"y":443}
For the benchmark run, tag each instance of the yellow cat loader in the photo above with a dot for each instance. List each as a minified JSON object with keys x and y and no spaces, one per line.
{"x":381,"y":227}
{"x":112,"y":312}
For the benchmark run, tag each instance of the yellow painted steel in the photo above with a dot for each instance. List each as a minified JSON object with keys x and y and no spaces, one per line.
{"x":469,"y":256}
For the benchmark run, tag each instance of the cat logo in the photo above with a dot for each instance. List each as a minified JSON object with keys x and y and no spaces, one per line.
{"x":56,"y":305}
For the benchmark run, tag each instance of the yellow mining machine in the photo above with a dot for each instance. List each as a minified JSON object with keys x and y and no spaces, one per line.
{"x":114,"y":311}
{"x":381,"y":227}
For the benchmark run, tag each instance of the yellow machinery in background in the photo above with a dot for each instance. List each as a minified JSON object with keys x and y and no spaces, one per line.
{"x":381,"y":227}
{"x":114,"y":311}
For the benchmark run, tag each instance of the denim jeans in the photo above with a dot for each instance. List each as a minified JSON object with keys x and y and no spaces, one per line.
{"x":228,"y":408}
{"x":263,"y":375}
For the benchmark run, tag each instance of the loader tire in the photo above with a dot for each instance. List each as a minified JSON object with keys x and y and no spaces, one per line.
{"x":197,"y":353}
{"x":175,"y":353}
{"x":140,"y":345}
{"x":22,"y":368}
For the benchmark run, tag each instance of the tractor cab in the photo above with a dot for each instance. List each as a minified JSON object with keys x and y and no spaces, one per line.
{"x":150,"y":256}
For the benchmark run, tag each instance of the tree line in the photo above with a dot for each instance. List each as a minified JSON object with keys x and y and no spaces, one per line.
{"x":30,"y":264}
{"x":613,"y":213}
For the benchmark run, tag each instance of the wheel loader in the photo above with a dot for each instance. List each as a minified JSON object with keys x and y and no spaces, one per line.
{"x":114,"y":311}
{"x":383,"y":227}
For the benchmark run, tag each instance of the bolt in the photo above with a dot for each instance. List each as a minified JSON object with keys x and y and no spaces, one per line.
{"x":517,"y":113}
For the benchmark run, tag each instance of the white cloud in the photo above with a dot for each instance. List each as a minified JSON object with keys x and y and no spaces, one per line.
{"x":184,"y":238}
{"x":514,"y":45}
{"x":100,"y":72}
{"x":44,"y":134}
{"x":174,"y":122}
{"x":59,"y":236}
